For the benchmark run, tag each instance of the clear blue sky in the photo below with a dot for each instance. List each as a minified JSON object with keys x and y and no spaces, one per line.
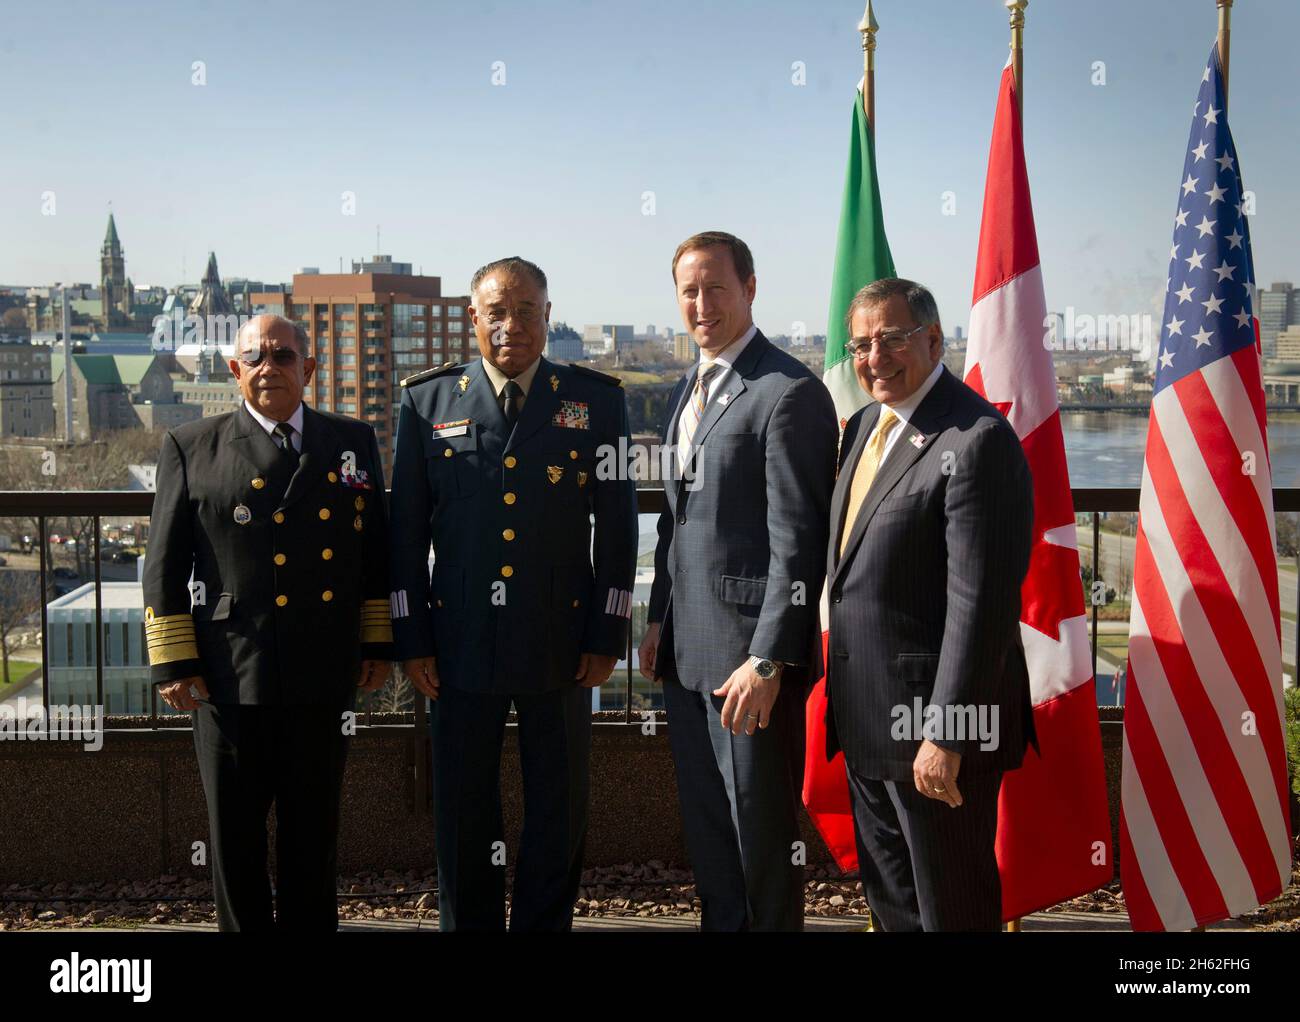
{"x":605,"y":100}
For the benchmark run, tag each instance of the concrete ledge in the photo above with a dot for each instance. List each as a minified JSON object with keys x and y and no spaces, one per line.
{"x":134,"y":809}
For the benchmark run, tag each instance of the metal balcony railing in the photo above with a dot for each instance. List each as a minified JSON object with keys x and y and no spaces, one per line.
{"x":44,"y":508}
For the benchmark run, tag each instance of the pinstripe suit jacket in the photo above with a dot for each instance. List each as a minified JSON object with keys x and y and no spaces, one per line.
{"x":739,"y":563}
{"x":925,"y":602}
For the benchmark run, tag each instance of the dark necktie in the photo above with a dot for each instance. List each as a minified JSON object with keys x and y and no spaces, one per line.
{"x":284,"y":437}
{"x":510,"y":394}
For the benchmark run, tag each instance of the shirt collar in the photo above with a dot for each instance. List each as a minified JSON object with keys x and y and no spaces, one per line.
{"x":731,"y":353}
{"x":906,"y":408}
{"x":498,"y":379}
{"x":294,"y":420}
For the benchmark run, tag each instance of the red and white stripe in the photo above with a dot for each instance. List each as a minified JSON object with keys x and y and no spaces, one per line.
{"x":1053,"y":825}
{"x":1204,"y":831}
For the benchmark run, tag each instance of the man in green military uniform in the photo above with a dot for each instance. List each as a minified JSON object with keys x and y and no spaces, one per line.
{"x":496,"y":468}
{"x":266,"y":592}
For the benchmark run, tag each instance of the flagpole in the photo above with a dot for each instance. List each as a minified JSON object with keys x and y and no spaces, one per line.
{"x":868,"y":27}
{"x":1016,"y":10}
{"x":1225,"y":38}
{"x":1225,"y":33}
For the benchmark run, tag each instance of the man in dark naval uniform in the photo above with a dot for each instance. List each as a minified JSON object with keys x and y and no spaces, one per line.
{"x":266,"y":609}
{"x":500,"y":465}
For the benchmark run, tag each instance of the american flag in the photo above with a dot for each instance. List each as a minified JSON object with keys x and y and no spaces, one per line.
{"x":1204,"y":828}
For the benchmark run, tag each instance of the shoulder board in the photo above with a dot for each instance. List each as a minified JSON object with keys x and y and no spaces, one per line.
{"x":429,"y":374}
{"x":596,"y":374}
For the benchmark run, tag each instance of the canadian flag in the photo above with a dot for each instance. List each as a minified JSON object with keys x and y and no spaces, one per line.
{"x":1053,"y":838}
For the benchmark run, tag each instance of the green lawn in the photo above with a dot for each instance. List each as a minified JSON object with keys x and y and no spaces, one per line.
{"x":18,"y":669}
{"x":1115,"y":647}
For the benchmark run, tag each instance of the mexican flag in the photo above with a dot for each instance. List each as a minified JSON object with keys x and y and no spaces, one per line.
{"x":861,"y":256}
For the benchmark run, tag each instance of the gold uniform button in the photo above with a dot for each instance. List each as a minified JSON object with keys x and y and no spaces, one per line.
{"x":324,"y":514}
{"x":278,"y":517}
{"x":327,"y":595}
{"x":357,"y":524}
{"x":438,"y":602}
{"x":511,"y":462}
{"x":333,"y":477}
{"x":446,"y":452}
{"x":258,"y":482}
{"x":280,"y":601}
{"x":359,"y":503}
{"x":507,"y":571}
{"x":279,"y":558}
{"x":573,"y":455}
{"x":508,"y":535}
{"x":509,"y":498}
{"x":575,"y":603}
{"x":326,"y":554}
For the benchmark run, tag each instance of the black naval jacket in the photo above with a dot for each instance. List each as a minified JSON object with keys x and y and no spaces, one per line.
{"x":514,"y":596}
{"x":289,"y":565}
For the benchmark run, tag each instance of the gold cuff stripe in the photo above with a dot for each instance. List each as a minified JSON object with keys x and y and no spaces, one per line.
{"x":377,"y":633}
{"x":161,"y":621}
{"x":164,"y":633}
{"x":169,"y":653}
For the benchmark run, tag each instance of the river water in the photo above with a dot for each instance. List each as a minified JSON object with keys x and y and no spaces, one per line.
{"x":1106,"y":448}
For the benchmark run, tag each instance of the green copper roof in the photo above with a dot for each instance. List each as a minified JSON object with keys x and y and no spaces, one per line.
{"x":106,"y":369}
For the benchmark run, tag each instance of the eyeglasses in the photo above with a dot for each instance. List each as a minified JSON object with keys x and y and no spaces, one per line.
{"x":252,"y":357}
{"x":893,"y":341}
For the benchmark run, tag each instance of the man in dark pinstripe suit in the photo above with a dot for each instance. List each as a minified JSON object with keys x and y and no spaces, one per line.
{"x":928,"y":689}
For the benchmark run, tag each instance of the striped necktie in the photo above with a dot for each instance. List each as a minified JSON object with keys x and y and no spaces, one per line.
{"x":694,"y":411}
{"x":865,"y":473}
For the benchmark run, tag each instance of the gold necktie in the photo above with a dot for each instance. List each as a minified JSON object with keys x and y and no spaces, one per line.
{"x":865,"y":473}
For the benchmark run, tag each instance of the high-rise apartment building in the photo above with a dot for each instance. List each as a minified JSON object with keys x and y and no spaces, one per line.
{"x":368,"y":331}
{"x":1279,"y":308}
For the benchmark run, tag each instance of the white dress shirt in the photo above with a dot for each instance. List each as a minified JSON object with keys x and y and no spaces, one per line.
{"x":725,"y":360}
{"x":905,"y":409}
{"x":294,"y":420}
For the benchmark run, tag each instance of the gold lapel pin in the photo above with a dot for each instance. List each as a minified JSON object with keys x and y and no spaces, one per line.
{"x":555,"y":382}
{"x":554,"y":473}
{"x":463,"y":382}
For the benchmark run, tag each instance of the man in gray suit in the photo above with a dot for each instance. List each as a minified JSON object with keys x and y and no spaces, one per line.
{"x":733,"y":629}
{"x":930,"y":541}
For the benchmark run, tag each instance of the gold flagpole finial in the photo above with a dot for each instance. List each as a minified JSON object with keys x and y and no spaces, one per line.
{"x":868,"y":28}
{"x":1225,"y":40}
{"x":1016,"y":10}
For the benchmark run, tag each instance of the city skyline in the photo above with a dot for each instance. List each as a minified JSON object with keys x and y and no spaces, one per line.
{"x":418,"y":137}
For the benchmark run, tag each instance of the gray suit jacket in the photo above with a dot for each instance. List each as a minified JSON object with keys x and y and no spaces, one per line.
{"x":925,"y":602}
{"x":739,"y":564}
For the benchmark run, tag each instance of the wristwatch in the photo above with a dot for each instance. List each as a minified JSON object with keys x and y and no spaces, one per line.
{"x":765,"y":669}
